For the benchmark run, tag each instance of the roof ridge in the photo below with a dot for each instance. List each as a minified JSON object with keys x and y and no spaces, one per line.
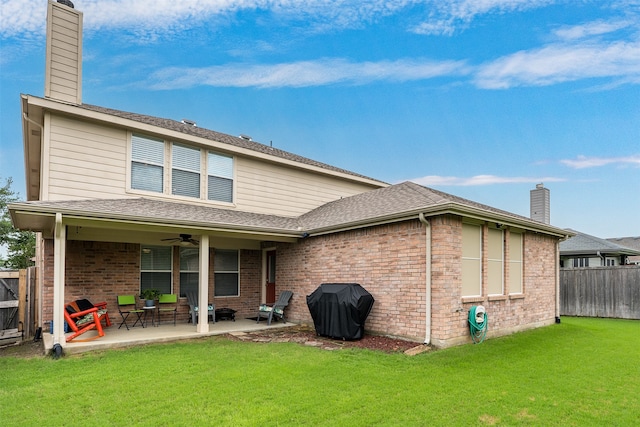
{"x":236,"y":141}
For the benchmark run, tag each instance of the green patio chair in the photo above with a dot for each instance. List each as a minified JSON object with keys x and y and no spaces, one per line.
{"x":168,"y":303}
{"x":127,"y":306}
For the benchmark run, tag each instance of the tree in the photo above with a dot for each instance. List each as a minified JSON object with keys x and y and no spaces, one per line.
{"x":20,"y":245}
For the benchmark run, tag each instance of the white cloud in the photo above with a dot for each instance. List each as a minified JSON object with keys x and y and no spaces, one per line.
{"x":594,"y":28}
{"x":304,"y":73}
{"x":436,"y":180}
{"x":447,"y":16}
{"x":562,"y":62}
{"x":20,"y":17}
{"x":582,"y":162}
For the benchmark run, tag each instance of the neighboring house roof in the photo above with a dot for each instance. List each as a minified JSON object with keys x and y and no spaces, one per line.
{"x":629,"y":242}
{"x":393,"y":203}
{"x":585,"y":244}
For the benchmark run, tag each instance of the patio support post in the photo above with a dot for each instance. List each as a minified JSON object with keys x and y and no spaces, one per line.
{"x":59,"y":249}
{"x":203,"y":285}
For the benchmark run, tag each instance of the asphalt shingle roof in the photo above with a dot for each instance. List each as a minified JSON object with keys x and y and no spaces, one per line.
{"x":188,"y":129}
{"x":587,"y":244}
{"x":393,"y":200}
{"x":383,"y":204}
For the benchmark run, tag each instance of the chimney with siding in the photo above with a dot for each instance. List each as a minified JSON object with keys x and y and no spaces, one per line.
{"x":63,"y":66}
{"x":539,"y":205}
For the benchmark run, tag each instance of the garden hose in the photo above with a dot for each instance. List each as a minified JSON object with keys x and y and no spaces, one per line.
{"x":478,"y":323}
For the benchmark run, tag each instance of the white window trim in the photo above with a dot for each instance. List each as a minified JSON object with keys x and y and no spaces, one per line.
{"x":167,"y":170}
{"x":227,"y":271}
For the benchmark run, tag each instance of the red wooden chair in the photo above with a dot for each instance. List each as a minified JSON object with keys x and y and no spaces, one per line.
{"x":82,"y":316}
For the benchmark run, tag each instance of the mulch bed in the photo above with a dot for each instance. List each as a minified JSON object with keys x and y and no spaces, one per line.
{"x":307,"y":336}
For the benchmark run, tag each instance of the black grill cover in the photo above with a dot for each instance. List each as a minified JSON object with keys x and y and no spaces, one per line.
{"x":339,"y":310}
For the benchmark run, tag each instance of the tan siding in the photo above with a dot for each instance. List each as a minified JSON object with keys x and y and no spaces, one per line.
{"x":86,"y":160}
{"x":63,"y":77}
{"x":268,"y":188}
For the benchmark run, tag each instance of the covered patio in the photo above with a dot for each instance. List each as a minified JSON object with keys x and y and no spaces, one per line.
{"x":122,"y":338}
{"x":98,"y":249}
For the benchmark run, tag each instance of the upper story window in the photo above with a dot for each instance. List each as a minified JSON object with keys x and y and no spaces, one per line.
{"x":147,"y":163}
{"x":155,"y":162}
{"x":185,"y":171}
{"x":220,"y":177}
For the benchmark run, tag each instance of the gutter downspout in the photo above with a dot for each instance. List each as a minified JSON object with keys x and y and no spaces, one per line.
{"x":558,"y":281}
{"x":427,"y":338}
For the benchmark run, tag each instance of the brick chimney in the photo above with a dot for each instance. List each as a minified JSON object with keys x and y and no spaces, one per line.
{"x":63,"y":65}
{"x":539,"y":204}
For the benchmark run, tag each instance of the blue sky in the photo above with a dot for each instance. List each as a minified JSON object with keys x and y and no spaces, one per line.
{"x":481,"y":99}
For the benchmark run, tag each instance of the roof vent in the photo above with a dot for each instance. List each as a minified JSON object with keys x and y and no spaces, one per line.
{"x":246,"y":137}
{"x":66,"y":3}
{"x":189,"y":122}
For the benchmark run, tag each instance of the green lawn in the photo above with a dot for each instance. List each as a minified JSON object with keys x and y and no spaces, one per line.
{"x":583,"y":372}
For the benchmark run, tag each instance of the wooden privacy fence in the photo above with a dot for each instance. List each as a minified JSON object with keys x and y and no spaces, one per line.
{"x":17,"y":305}
{"x":600,"y":292}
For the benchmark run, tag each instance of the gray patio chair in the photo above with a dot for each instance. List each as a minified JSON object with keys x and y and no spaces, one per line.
{"x":192,"y":298}
{"x":277,"y":309}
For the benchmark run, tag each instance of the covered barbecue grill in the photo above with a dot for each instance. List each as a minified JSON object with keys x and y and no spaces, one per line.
{"x":339,"y":310}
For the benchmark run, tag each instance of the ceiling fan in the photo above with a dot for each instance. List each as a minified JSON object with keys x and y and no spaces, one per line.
{"x":183,"y":240}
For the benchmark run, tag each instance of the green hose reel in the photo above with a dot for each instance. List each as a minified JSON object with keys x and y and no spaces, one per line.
{"x":478,"y":323}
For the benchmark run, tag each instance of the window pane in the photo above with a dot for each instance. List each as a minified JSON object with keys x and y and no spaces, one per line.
{"x":225,"y":261}
{"x":156,"y":280}
{"x":515,"y":263}
{"x":188,"y":283}
{"x":147,"y":150}
{"x":495,"y":269}
{"x":189,"y":259}
{"x":146,"y":177}
{"x":156,"y":258}
{"x":471,"y":261}
{"x":184,"y":157}
{"x":147,"y":163}
{"x":219,"y":165}
{"x":185,"y":183}
{"x":226,"y":284}
{"x":220,"y":189}
{"x":220,"y":177}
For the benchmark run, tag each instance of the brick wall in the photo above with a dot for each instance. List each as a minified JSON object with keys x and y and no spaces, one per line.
{"x":100,"y":271}
{"x":389,"y":261}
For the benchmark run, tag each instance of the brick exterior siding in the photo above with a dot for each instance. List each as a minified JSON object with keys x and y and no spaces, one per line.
{"x":387,"y":260}
{"x":100,"y":271}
